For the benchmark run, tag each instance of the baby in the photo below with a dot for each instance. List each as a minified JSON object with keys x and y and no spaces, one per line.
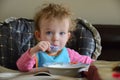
{"x":53,"y":24}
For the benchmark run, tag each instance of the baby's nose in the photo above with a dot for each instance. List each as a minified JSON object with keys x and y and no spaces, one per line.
{"x":55,"y":37}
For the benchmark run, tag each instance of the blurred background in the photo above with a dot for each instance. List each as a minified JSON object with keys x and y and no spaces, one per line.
{"x":94,"y":11}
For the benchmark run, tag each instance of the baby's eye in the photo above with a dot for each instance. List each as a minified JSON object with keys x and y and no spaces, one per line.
{"x":48,"y":32}
{"x":62,"y":33}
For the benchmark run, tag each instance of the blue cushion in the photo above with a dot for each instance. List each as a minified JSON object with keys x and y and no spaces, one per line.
{"x":15,"y":38}
{"x":82,"y":39}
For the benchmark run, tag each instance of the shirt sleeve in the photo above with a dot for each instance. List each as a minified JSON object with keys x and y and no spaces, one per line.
{"x":26,"y":61}
{"x":75,"y":57}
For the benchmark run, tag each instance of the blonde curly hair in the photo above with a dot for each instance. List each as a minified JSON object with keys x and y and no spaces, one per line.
{"x":51,"y":11}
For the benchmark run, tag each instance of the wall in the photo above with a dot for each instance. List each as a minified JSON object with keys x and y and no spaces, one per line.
{"x":95,"y":11}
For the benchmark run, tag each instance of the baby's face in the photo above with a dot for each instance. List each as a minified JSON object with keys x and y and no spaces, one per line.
{"x":55,"y":31}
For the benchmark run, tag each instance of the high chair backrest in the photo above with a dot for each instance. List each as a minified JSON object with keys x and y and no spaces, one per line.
{"x":17,"y":35}
{"x":86,"y":39}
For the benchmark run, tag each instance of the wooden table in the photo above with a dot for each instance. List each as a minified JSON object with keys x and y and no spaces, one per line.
{"x":100,"y":70}
{"x":105,"y":69}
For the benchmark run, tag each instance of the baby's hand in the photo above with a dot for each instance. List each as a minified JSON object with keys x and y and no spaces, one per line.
{"x":41,"y":46}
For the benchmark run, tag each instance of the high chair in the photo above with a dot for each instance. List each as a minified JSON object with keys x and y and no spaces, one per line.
{"x":17,"y":35}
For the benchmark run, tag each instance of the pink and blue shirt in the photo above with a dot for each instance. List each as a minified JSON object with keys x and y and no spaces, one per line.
{"x":26,"y":62}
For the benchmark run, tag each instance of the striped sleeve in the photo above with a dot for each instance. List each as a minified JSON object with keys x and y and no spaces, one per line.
{"x":26,"y":61}
{"x":75,"y":57}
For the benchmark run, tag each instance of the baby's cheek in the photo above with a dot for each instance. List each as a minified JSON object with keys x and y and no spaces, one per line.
{"x":63,"y":43}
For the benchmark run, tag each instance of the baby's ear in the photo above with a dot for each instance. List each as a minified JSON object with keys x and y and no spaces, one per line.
{"x":69,"y":35}
{"x":37,"y":35}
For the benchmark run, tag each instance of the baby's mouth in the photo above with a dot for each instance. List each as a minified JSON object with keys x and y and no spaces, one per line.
{"x":54,"y":48}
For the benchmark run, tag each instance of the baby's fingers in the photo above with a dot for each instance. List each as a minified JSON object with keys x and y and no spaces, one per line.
{"x":44,"y":45}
